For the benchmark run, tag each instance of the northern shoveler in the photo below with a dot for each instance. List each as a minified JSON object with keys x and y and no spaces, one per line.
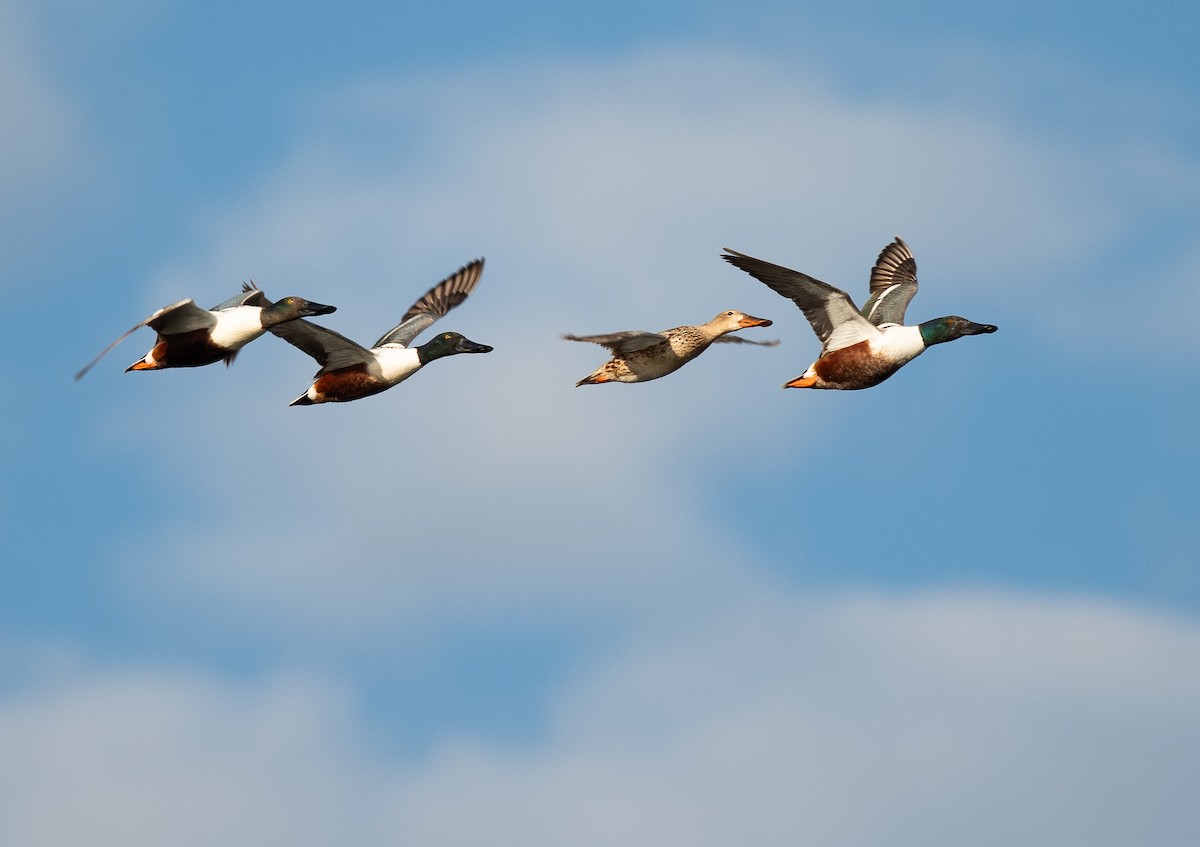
{"x":189,"y":336}
{"x":350,"y":371}
{"x":860,"y":349}
{"x":642,"y":356}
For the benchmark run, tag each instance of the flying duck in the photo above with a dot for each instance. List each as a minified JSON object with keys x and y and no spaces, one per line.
{"x":859,"y":349}
{"x":189,"y":336}
{"x":640,"y":356}
{"x":350,"y":371}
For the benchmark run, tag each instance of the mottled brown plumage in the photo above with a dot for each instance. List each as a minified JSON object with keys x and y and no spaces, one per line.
{"x":642,"y":356}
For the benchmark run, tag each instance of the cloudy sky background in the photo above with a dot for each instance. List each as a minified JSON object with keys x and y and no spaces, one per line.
{"x":962,"y":607}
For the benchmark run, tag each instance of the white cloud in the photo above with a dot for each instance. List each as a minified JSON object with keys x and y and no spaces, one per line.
{"x":601,"y":195}
{"x":500,"y":505}
{"x":935,"y":720}
{"x":488,"y":488}
{"x":615,"y":184}
{"x":138,"y":757}
{"x":857,"y":720}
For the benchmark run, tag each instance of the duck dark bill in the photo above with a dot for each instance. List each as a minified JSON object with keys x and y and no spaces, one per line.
{"x":466,"y":345}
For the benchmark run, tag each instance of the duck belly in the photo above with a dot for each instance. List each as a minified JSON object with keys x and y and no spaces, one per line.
{"x":657,"y":361}
{"x":344,"y":385}
{"x":864,"y":364}
{"x":184,"y":350}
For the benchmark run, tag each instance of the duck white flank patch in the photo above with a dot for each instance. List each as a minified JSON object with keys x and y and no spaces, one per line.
{"x":901,"y":343}
{"x":397,"y":362}
{"x":237,"y":326}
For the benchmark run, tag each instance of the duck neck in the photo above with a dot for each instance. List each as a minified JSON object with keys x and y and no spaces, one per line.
{"x":430,"y":350}
{"x":275,"y":314}
{"x":936,"y":331}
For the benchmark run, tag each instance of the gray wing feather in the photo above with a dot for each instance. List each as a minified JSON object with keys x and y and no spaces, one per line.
{"x":825,"y":306}
{"x":893,"y":284}
{"x":435,"y":303}
{"x":629,"y":341}
{"x":331,"y":349}
{"x":183,"y":316}
{"x":250,"y":296}
{"x":737,"y":339}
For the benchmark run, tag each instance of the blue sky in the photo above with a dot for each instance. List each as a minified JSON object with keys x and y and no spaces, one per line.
{"x":961,"y":606}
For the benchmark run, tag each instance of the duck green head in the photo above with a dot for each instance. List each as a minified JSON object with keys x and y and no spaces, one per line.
{"x":291,"y":308}
{"x":941,"y":330}
{"x":448,"y":344}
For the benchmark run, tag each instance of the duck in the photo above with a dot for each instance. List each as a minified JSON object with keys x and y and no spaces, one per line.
{"x":640,"y":356}
{"x":860,"y":349}
{"x":350,"y":371}
{"x":190,"y":337}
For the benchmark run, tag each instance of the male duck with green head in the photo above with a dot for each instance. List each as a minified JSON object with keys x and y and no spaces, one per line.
{"x":191,"y":337}
{"x":860,"y":349}
{"x":350,"y":371}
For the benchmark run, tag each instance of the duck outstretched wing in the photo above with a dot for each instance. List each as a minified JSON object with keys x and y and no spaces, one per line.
{"x":332,"y":350}
{"x":621,"y":343}
{"x":893,"y":284}
{"x":183,"y":316}
{"x":825,"y":306}
{"x":434,"y":304}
